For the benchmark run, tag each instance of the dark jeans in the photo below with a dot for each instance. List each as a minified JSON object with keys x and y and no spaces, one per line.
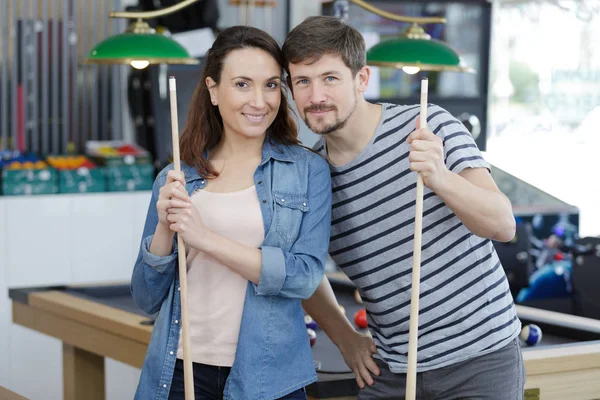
{"x":209,"y":383}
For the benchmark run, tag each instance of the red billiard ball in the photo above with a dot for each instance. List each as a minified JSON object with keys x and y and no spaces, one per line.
{"x":312,"y":335}
{"x":360,"y":318}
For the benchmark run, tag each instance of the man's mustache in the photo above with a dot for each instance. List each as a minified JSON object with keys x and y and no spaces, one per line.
{"x":320,"y":108}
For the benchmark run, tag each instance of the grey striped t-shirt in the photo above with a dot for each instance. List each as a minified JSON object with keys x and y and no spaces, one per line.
{"x":466,"y":308}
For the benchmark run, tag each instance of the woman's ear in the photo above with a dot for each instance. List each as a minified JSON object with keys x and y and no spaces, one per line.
{"x":212,"y":89}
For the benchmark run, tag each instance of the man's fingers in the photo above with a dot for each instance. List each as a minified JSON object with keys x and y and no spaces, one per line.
{"x":364,"y":372}
{"x":419,"y":134}
{"x":359,"y":380}
{"x":373,"y":348}
{"x":372,"y":366}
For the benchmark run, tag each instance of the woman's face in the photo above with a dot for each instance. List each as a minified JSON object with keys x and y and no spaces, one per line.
{"x":249,"y":93}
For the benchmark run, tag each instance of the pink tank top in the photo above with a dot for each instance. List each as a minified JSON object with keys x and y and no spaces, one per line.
{"x":216,"y":293}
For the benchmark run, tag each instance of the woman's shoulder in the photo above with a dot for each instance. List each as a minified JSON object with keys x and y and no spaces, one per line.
{"x":306,"y":153}
{"x":187,"y":170}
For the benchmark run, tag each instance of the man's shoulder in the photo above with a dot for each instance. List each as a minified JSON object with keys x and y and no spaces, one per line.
{"x":319,"y":146}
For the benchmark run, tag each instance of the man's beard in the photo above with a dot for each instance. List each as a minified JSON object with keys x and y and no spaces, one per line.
{"x":337,"y":124}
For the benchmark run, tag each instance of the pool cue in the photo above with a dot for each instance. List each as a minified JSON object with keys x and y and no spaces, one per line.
{"x":188,"y":372}
{"x":413,"y":332}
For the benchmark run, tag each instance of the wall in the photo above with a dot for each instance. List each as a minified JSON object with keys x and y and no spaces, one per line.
{"x":67,"y":239}
{"x":62,"y":239}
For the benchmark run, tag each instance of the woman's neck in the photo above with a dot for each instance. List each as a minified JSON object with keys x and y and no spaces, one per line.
{"x":237,"y":147}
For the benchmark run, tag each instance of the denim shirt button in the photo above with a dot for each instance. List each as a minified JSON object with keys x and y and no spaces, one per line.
{"x":283,"y":200}
{"x":165,"y":385}
{"x":304,"y":204}
{"x":176,"y":321}
{"x":171,"y":353}
{"x":264,"y":201}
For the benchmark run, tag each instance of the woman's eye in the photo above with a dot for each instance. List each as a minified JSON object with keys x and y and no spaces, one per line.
{"x":272,"y":85}
{"x":242,"y":84}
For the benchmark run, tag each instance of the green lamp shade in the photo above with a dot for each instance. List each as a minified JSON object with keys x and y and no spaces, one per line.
{"x":426,"y":54}
{"x":151,"y":47}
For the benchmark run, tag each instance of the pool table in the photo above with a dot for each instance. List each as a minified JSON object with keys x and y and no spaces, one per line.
{"x":100,"y":321}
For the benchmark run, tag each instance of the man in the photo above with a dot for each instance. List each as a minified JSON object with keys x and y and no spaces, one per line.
{"x":468,"y":327}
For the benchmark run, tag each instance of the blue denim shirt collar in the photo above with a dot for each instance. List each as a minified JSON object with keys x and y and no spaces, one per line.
{"x":269,"y":151}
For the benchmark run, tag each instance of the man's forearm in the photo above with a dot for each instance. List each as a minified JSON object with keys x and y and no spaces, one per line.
{"x":485,"y":212}
{"x":323,"y":307}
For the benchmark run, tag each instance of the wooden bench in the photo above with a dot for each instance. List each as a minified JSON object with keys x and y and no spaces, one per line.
{"x":6,"y":394}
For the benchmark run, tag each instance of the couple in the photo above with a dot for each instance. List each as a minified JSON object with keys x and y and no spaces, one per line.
{"x":259,"y":213}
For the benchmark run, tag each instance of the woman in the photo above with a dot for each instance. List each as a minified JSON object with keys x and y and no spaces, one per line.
{"x":253,"y":208}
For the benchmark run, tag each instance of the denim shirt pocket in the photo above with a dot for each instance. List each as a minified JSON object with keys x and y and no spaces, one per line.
{"x":289,"y":211}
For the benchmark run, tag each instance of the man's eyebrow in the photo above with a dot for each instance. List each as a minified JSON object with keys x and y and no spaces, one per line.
{"x":331,"y":73}
{"x":327,"y":73}
{"x":298,"y":77}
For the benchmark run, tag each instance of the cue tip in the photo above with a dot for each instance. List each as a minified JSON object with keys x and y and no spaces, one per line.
{"x":172,"y":83}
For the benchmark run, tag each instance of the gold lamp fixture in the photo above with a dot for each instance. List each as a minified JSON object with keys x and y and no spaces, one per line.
{"x":414,"y":50}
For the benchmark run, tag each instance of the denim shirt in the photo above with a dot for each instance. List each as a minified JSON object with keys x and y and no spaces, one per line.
{"x":273,"y":355}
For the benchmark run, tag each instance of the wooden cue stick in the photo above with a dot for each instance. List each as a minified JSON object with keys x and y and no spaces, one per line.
{"x":411,"y":374}
{"x":188,"y":372}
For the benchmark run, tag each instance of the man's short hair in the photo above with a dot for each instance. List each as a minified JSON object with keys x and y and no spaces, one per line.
{"x":320,"y":35}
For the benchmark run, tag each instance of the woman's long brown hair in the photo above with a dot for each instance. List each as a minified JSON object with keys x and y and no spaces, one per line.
{"x":204,"y":127}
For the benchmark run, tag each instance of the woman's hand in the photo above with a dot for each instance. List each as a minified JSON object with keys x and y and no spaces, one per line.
{"x":187,"y":222}
{"x":172,"y":195}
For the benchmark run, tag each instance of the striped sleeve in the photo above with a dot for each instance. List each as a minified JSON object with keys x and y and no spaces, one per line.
{"x":460,"y":149}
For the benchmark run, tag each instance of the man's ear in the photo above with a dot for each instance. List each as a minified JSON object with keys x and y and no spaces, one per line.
{"x":212,"y":89}
{"x":363,"y":76}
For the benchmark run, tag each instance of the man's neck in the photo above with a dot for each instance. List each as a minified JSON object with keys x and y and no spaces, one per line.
{"x":346,"y":144}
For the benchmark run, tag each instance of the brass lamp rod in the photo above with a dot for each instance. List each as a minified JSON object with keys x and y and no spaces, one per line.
{"x":396,"y":17}
{"x":360,"y":3}
{"x":151,"y":14}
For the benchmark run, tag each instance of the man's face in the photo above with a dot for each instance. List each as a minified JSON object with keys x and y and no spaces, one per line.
{"x":325,"y":93}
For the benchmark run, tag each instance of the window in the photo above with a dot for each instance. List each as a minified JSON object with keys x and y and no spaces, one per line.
{"x":544,"y":113}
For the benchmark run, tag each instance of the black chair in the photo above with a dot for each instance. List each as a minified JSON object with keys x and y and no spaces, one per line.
{"x":586,"y":277}
{"x":516,"y":258}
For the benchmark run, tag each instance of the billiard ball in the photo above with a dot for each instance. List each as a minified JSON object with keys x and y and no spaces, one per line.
{"x":312,"y":335}
{"x":360,"y":318}
{"x":531,"y":334}
{"x":310,"y":323}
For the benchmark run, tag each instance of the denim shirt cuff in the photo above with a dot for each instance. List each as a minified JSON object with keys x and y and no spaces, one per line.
{"x":158,"y":263}
{"x":272,"y":275}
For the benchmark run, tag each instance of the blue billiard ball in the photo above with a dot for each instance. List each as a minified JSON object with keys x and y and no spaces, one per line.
{"x":310,"y":323}
{"x":531,"y":334}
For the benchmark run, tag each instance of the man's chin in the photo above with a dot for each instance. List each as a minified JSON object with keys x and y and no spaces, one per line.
{"x":319,"y":128}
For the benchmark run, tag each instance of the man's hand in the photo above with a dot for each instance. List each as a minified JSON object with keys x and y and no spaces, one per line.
{"x":357,"y":350}
{"x":427,"y":156}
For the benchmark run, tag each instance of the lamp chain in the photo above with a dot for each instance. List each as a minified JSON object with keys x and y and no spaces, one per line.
{"x":341,"y":8}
